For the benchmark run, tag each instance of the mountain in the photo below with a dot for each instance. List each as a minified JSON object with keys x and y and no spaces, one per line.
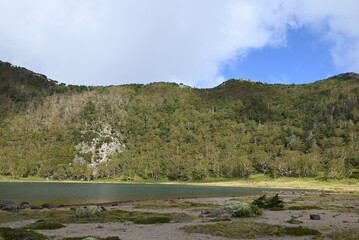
{"x":172,"y":131}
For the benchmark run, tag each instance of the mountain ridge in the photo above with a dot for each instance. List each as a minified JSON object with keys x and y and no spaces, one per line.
{"x":170,"y":131}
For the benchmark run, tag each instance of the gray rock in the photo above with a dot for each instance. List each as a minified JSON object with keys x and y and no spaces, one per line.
{"x":36,"y":207}
{"x":314,"y":217}
{"x":3,"y":203}
{"x":11,"y":207}
{"x":231,"y":207}
{"x":86,"y":211}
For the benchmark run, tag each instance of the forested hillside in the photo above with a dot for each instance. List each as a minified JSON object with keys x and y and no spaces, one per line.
{"x":171,"y":131}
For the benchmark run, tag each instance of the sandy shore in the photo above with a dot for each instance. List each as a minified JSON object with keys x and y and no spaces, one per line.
{"x":331,"y":220}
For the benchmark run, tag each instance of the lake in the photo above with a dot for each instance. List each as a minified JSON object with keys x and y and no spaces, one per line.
{"x":73,"y":193}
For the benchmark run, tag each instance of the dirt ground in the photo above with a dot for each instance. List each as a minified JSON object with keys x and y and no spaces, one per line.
{"x":335,"y":215}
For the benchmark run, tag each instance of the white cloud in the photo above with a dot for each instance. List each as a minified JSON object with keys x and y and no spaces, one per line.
{"x":115,"y":42}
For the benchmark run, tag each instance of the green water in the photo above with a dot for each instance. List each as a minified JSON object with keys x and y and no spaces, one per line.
{"x":72,"y":193}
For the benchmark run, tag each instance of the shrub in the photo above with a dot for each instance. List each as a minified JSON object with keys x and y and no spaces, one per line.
{"x":274,"y":203}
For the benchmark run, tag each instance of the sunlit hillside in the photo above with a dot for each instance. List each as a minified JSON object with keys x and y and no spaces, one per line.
{"x":175,"y":132}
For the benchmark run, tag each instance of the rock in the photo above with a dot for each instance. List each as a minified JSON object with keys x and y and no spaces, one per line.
{"x":24,"y":205}
{"x":45,"y":205}
{"x":3,"y":203}
{"x":85,"y":211}
{"x":231,"y":207}
{"x":205,"y":212}
{"x":11,"y":207}
{"x":38,"y":207}
{"x":314,"y":217}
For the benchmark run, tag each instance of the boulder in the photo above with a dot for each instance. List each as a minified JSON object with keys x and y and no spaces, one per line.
{"x":231,"y":208}
{"x":11,"y":207}
{"x":314,"y":216}
{"x":86,"y":211}
{"x":3,"y":203}
{"x":38,"y":207}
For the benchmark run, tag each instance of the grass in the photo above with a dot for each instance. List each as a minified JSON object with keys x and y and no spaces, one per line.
{"x":304,"y":207}
{"x":63,"y":217}
{"x":19,"y":234}
{"x":342,"y":202}
{"x":261,"y":180}
{"x":300,"y":231}
{"x":244,"y":229}
{"x":349,"y":234}
{"x":42,"y":225}
{"x":173,"y":204}
{"x":255,"y":180}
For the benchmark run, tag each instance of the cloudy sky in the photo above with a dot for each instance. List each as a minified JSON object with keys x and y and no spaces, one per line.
{"x":197,"y":42}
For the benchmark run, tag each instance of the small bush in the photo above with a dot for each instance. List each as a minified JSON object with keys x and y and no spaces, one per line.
{"x":252,"y":212}
{"x":274,"y":203}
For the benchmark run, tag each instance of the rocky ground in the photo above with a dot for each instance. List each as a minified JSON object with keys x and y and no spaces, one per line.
{"x":338,"y":219}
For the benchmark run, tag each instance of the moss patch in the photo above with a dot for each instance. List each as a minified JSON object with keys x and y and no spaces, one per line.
{"x":20,"y":234}
{"x":151,"y":220}
{"x":63,"y":217}
{"x":238,"y":229}
{"x":304,"y":207}
{"x":173,"y":204}
{"x":247,"y":229}
{"x":349,"y":234}
{"x":299,"y":231}
{"x":43,"y":225}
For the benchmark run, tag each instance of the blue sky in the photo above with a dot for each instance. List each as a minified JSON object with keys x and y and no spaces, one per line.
{"x":304,"y":58}
{"x":199,"y":43}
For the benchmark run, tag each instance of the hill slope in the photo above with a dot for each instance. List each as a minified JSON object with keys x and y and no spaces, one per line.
{"x":166,"y":130}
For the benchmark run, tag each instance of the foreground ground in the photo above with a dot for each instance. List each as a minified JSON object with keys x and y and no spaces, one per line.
{"x":180,"y":219}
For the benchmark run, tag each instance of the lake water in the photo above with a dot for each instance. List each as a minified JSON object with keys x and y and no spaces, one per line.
{"x":72,"y":193}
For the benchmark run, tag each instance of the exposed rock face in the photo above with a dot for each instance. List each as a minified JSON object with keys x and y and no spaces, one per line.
{"x":100,"y":149}
{"x":86,"y":211}
{"x":231,"y":207}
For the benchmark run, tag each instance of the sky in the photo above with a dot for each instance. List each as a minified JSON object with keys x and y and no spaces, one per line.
{"x":200,"y":43}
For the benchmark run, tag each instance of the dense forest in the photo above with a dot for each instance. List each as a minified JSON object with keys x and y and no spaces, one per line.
{"x":175,"y":132}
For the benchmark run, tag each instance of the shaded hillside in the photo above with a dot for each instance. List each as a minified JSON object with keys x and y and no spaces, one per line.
{"x":19,"y":85}
{"x":166,"y":130}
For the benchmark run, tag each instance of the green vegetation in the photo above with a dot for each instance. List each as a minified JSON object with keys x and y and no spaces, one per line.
{"x":173,"y":204}
{"x":294,"y":220}
{"x":64,"y":217}
{"x":253,"y":211}
{"x":164,"y":132}
{"x":300,"y":231}
{"x":43,"y":225}
{"x":304,"y":207}
{"x":348,"y":234}
{"x":19,"y":234}
{"x":244,"y":229}
{"x":273,"y":203}
{"x":151,"y":220}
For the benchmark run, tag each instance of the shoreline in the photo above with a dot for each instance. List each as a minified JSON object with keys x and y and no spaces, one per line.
{"x":274,"y":184}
